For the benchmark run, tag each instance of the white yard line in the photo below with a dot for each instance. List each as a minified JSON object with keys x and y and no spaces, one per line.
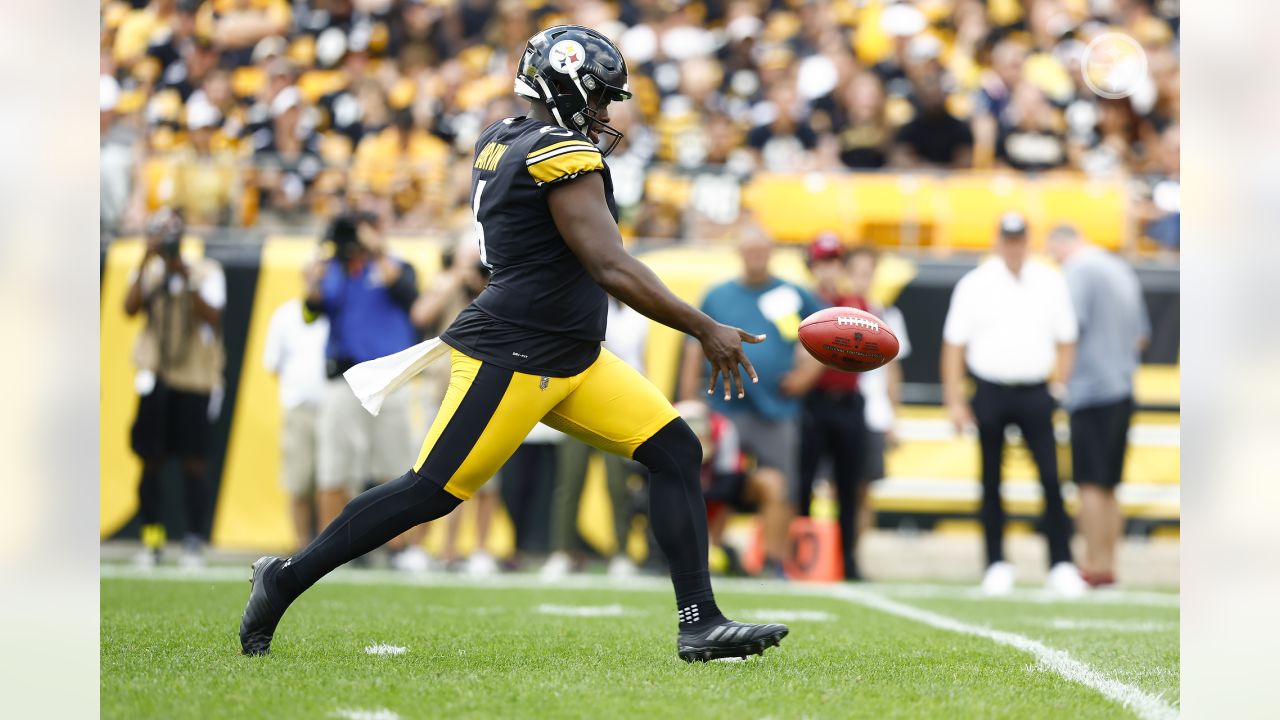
{"x":581,"y":610}
{"x":385,"y":649}
{"x":362,"y":714}
{"x":1109,"y":625}
{"x":1143,"y":704}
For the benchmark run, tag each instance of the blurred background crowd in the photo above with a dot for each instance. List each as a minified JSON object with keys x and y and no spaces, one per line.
{"x":275,"y":114}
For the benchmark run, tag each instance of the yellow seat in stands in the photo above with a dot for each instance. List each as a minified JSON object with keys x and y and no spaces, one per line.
{"x":893,"y":209}
{"x":796,"y":207}
{"x":1097,"y":208}
{"x":969,"y":207}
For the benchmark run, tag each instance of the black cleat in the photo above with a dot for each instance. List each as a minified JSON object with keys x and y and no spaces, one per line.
{"x":261,"y":614}
{"x":729,"y":639}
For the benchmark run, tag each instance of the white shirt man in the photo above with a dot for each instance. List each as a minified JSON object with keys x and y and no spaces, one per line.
{"x":1011,"y":325}
{"x":1011,"y":322}
{"x":294,"y":353}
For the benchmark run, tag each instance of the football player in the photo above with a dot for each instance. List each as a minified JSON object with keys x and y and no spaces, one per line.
{"x":528,"y":349}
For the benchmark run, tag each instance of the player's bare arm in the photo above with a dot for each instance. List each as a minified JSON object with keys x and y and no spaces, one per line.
{"x":582,"y":217}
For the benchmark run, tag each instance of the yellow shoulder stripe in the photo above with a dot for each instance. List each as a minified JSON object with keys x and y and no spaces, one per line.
{"x":532,"y":157}
{"x":570,"y":163}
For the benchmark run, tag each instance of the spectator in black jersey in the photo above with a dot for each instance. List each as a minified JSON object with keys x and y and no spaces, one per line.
{"x":866,"y":136}
{"x":994,"y":94}
{"x":422,"y":33}
{"x":1033,"y":139}
{"x":169,"y":43}
{"x":715,"y":194}
{"x":782,"y":144}
{"x":288,"y":158}
{"x":215,"y":91}
{"x":199,"y":58}
{"x":934,"y":137}
{"x":901,"y":22}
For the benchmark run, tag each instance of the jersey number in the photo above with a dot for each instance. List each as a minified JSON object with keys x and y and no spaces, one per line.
{"x":475,"y":212}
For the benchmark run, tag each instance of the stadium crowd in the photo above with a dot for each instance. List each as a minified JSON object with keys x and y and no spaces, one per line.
{"x":270,"y":113}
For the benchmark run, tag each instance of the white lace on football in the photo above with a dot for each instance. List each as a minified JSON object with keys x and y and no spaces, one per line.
{"x":850,"y":320}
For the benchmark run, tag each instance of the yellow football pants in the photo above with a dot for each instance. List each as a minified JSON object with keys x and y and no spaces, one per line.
{"x":487,"y":412}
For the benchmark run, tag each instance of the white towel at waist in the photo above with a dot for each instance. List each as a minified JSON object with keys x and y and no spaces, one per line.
{"x":373,"y":380}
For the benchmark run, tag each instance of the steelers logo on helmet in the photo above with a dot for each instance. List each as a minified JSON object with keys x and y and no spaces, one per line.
{"x":567,"y":56}
{"x":574,"y":71}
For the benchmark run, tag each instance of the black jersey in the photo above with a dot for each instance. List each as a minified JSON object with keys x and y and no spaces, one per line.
{"x":542,"y":313}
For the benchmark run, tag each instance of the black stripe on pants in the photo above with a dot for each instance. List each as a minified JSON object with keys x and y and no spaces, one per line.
{"x":1030,"y":408}
{"x":467,"y":424}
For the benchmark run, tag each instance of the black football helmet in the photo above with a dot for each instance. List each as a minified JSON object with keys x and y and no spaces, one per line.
{"x":566,"y":67}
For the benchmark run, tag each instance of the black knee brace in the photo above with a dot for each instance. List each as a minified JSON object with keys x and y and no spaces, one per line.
{"x":674,"y":448}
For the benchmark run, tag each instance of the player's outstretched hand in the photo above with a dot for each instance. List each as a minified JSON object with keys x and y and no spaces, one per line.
{"x":723,"y":348}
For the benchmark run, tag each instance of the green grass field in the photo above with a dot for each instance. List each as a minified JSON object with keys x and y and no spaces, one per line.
{"x":512,"y":648}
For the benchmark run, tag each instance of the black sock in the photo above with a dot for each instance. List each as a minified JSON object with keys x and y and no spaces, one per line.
{"x":371,"y":519}
{"x":679,"y":518}
{"x":695,"y":604}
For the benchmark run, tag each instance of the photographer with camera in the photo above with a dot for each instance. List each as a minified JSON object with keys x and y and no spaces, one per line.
{"x":179,"y":359}
{"x":366,"y":294}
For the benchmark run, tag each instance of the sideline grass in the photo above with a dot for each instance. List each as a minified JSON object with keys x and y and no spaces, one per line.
{"x":169,"y":649}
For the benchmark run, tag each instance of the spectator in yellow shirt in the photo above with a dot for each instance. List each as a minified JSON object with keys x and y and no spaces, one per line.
{"x":402,"y":160}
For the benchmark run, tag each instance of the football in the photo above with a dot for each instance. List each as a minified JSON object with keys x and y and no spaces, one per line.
{"x":848,"y":339}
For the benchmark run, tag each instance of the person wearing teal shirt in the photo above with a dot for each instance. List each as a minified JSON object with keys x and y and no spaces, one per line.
{"x":768,"y":419}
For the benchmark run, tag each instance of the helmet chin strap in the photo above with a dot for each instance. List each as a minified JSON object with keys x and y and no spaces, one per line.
{"x":577,"y":82}
{"x":547,"y":98}
{"x":586,"y":100}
